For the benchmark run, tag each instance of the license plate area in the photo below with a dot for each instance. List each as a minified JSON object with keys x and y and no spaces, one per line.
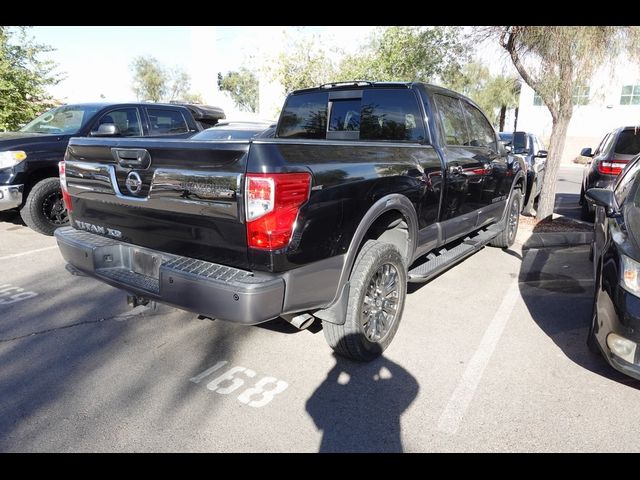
{"x":145,"y":263}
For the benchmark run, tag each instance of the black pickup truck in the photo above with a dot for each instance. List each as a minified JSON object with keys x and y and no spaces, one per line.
{"x":365,"y":187}
{"x":29,"y":158}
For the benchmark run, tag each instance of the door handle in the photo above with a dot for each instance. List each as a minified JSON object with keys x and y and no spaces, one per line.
{"x":138,"y":158}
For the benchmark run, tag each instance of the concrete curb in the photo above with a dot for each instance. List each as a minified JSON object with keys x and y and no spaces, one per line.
{"x":529,"y":239}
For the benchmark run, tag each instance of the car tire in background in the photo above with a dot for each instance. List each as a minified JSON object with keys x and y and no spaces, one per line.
{"x":44,"y":209}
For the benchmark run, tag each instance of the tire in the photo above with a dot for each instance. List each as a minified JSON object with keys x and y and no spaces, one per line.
{"x":585,"y":214}
{"x":358,"y":338}
{"x":528,"y":208}
{"x":44,"y":210}
{"x":508,"y":234}
{"x":592,"y":342}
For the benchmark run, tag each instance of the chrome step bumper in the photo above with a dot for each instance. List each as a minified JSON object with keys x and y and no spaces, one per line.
{"x":210,"y":289}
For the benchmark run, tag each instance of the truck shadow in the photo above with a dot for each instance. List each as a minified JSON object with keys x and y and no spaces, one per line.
{"x":359,"y":405}
{"x":11,"y":217}
{"x":557,"y":288}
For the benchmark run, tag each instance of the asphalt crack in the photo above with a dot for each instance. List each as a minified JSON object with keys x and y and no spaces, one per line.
{"x":120,"y":317}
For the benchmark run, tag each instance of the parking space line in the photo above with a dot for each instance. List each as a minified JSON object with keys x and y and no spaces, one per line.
{"x":458,"y":404}
{"x":15,"y":255}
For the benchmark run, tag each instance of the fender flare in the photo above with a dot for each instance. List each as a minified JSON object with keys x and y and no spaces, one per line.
{"x":520,"y":174}
{"x":395,"y":201}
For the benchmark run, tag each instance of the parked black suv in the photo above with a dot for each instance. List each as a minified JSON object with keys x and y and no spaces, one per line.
{"x":535,"y":155}
{"x":615,"y":326}
{"x":366,"y":186}
{"x":613,"y":153}
{"x":29,"y":158}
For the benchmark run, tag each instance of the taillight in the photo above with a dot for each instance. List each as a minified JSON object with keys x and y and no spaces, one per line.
{"x":63,"y":186}
{"x":614,"y":167}
{"x":272,"y":204}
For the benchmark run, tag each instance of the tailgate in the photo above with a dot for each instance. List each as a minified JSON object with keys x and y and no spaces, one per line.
{"x":176,"y":196}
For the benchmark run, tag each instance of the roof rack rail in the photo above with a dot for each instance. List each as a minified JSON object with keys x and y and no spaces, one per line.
{"x":355,"y":83}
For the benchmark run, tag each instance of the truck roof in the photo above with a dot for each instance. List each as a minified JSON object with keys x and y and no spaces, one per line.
{"x":354,"y":84}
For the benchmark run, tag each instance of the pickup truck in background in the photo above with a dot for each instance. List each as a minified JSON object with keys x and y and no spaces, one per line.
{"x":365,"y":187}
{"x":29,"y":158}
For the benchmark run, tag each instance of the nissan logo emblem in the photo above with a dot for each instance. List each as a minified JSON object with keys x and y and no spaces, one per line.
{"x":133,"y":182}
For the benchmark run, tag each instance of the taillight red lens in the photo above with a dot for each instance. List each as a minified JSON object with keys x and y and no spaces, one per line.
{"x":614,"y":167}
{"x":272,"y":204}
{"x":63,"y":186}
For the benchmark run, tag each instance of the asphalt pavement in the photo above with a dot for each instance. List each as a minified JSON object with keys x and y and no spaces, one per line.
{"x":490,"y":356}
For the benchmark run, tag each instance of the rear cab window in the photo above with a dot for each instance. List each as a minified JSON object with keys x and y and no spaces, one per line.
{"x":165,"y":121}
{"x":376,"y":114}
{"x":628,"y":142}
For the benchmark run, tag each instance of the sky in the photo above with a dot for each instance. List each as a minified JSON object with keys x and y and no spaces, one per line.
{"x":96,"y":59}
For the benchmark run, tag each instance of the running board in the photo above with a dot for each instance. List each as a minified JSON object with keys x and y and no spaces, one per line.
{"x":447,"y":257}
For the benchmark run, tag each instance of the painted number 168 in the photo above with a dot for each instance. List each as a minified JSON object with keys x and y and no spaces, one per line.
{"x":262,"y":392}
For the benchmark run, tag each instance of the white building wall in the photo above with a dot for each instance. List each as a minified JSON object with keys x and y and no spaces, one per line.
{"x":589,"y":122}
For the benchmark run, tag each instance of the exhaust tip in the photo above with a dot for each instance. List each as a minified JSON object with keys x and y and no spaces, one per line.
{"x":301,"y":322}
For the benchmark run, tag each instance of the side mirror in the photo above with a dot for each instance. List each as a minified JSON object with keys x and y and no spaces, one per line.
{"x":586,"y":152}
{"x":106,"y":130}
{"x":603,"y":197}
{"x":541,"y":154}
{"x":506,"y":146}
{"x":520,"y":142}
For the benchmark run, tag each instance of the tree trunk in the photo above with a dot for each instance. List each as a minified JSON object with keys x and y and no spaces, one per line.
{"x":556,"y":147}
{"x":515,"y":120}
{"x":503,"y":113}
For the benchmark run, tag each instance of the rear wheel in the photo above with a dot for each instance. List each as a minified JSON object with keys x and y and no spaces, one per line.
{"x":592,"y":342}
{"x":44,"y":209}
{"x":377,"y":291}
{"x":508,"y":234}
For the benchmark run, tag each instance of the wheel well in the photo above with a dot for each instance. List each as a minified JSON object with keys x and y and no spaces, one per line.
{"x":39,"y":175}
{"x":520,"y":184}
{"x":390,"y":227}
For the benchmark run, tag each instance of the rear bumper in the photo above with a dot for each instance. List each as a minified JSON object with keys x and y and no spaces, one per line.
{"x":619,"y":314}
{"x":10,"y":196}
{"x":218,"y":291}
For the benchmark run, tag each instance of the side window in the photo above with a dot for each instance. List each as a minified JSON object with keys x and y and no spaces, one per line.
{"x":126,"y":119}
{"x":452,"y":119}
{"x":390,"y":114}
{"x":480,"y":130}
{"x":166,"y":122}
{"x":606,"y":146}
{"x":623,"y":186}
{"x":533,"y":145}
{"x":602,"y":142}
{"x":304,"y":116}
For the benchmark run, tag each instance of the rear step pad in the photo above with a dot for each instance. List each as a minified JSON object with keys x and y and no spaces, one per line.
{"x":437,"y":263}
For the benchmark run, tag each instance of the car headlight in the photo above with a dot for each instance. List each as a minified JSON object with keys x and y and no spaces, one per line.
{"x":11,"y":158}
{"x":631,"y":274}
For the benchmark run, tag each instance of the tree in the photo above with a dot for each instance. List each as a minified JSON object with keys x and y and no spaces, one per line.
{"x":242,"y":86}
{"x":554,"y":60}
{"x":192,"y":98}
{"x":154,"y":82}
{"x":179,"y":84}
{"x":23,"y":78}
{"x":303,"y":65}
{"x":149,"y":79}
{"x":493,"y":93}
{"x":408,"y":54}
{"x":392,"y":54}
